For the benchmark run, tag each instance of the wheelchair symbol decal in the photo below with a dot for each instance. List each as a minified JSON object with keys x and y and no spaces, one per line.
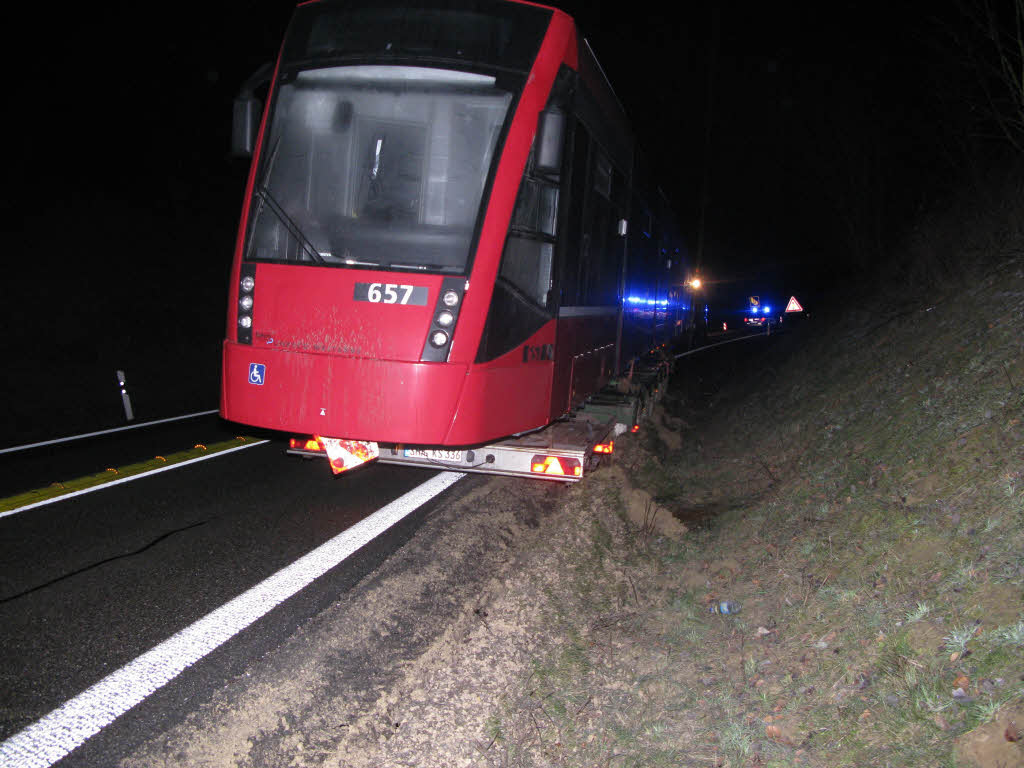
{"x":257,"y":373}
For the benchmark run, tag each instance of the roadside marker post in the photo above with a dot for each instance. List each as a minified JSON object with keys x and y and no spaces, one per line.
{"x":128,"y":415}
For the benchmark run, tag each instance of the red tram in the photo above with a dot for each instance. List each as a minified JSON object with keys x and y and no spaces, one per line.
{"x":448,"y":235}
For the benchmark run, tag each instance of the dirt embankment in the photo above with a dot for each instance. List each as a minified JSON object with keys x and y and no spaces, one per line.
{"x":345,"y":681}
{"x":864,"y":506}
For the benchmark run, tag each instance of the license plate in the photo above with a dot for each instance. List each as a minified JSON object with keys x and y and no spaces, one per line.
{"x":416,"y":453}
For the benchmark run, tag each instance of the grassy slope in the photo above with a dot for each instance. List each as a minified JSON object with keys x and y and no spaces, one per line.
{"x":870,"y":520}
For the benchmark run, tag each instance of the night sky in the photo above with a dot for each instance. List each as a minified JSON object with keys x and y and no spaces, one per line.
{"x":808,"y":135}
{"x":750,"y":110}
{"x":767,"y":115}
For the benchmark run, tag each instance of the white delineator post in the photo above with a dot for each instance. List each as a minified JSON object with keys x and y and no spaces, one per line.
{"x":128,"y":415}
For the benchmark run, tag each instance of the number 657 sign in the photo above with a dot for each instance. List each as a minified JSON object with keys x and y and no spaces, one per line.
{"x":391,"y":293}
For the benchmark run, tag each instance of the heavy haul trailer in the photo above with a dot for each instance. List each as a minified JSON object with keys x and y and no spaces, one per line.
{"x":448,"y":236}
{"x":562,"y":451}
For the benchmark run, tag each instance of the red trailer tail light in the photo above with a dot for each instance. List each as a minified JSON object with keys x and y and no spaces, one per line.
{"x":553,"y":465}
{"x":635,"y":429}
{"x":608,"y":447}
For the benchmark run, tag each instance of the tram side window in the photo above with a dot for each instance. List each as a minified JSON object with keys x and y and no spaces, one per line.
{"x":600,"y":264}
{"x":641,"y":256}
{"x":526,"y":264}
{"x":529,"y":251}
{"x":591,"y":272}
{"x":570,"y":272}
{"x":521,"y":301}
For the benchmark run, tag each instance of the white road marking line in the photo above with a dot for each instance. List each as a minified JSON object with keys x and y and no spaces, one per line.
{"x":69,"y":726}
{"x":104,"y":432}
{"x":128,"y":479}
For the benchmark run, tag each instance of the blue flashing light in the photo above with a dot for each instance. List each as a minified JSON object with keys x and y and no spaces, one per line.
{"x":767,"y":309}
{"x":645,"y":302}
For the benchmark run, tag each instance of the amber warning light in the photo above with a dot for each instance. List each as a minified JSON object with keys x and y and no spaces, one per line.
{"x":608,"y":447}
{"x":305,"y":444}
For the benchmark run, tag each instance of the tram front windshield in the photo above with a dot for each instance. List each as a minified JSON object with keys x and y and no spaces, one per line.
{"x":376,"y":166}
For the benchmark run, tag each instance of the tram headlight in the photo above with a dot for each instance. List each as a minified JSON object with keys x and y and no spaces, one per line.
{"x":245,"y":321}
{"x":245,"y":303}
{"x":448,"y":299}
{"x":247,"y":284}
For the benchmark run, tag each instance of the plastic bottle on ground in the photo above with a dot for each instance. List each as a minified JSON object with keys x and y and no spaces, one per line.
{"x":724,"y":607}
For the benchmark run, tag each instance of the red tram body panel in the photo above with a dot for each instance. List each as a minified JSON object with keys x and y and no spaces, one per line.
{"x":445,"y":239}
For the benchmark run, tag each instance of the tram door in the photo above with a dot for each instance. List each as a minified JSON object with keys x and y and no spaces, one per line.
{"x":591,"y":273}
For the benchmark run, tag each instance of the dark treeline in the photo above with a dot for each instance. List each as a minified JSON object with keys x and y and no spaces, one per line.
{"x":808,"y":140}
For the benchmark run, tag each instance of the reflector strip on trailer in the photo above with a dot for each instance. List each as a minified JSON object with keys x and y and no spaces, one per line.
{"x":553,"y":465}
{"x":563,"y":448}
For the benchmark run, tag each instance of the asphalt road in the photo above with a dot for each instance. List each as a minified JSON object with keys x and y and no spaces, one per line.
{"x":25,"y":470}
{"x":89,"y":583}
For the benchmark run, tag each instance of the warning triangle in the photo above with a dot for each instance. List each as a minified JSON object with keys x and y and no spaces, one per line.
{"x":794,"y":305}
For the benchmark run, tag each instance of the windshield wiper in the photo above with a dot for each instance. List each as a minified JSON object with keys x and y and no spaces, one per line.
{"x":266,"y":198}
{"x":291,"y":226}
{"x":425,"y":267}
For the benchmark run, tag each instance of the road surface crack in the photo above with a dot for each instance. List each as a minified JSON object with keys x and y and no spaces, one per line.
{"x":105,"y":561}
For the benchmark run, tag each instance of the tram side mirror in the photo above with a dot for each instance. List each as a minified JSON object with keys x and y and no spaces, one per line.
{"x":246,"y":111}
{"x":550,"y":134}
{"x":245,"y":120}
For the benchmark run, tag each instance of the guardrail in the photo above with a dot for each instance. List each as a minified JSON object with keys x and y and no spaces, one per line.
{"x":730,"y":341}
